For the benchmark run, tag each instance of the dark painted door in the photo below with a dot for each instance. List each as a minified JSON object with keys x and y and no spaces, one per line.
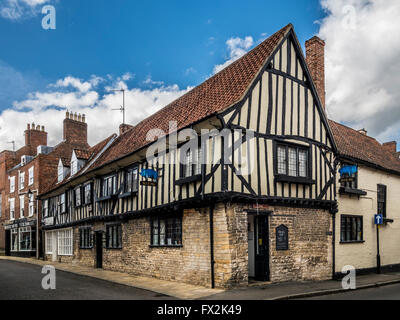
{"x":8,"y":243}
{"x":99,"y":249}
{"x":262,"y":248}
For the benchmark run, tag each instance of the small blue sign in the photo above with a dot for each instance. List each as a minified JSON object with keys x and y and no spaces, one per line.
{"x":378,"y":219}
{"x":349,"y":170}
{"x":149,"y":173}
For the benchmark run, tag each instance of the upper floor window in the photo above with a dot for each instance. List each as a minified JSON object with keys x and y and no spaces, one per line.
{"x":12,"y":184}
{"x":21,"y":206}
{"x":61,"y":203}
{"x":87,"y":194}
{"x":31,"y":205}
{"x":31,"y":177}
{"x":45,"y":208}
{"x":131,"y":180}
{"x":21,"y":180}
{"x":12,"y":209}
{"x":191,"y":163}
{"x":293,"y":161}
{"x":78,"y":197}
{"x":382,"y":190}
{"x":109,"y":186}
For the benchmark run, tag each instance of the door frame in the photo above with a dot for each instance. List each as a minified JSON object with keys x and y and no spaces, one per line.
{"x":98,"y":238}
{"x":256,"y":214}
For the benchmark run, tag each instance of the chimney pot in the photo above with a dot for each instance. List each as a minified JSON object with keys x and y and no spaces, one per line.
{"x":83,"y":118}
{"x":29,"y":127}
{"x":315,"y":57}
{"x":363,"y":131}
{"x":67,"y":115}
{"x":42,"y":128}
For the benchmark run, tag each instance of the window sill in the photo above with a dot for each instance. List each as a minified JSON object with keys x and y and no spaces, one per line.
{"x":166,"y":246}
{"x":105,"y":198}
{"x":85,"y":248}
{"x":127,"y":194}
{"x":289,"y":179}
{"x":190,"y":179}
{"x":110,"y":248}
{"x":350,"y":242}
{"x":358,"y":192}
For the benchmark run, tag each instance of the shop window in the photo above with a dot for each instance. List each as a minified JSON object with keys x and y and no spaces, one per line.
{"x":14,"y":240}
{"x":26,"y":239}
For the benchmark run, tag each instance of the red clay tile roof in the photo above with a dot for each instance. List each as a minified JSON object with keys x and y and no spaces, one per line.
{"x":354,"y":144}
{"x":83,"y":154}
{"x":212,"y":96}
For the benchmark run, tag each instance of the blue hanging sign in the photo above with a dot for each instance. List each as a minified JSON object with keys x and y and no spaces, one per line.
{"x":349,"y":170}
{"x":149,"y":174}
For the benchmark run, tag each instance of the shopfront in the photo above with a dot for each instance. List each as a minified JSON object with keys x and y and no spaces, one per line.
{"x":22,"y":238}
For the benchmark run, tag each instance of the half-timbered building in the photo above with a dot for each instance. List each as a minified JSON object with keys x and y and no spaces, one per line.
{"x":233,"y":181}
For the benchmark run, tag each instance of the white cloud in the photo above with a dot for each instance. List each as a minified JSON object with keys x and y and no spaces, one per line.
{"x":363,"y":65}
{"x":237,"y":47}
{"x":20,"y":9}
{"x":48,"y":108}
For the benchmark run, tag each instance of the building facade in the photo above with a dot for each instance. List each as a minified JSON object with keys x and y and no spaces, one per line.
{"x":233,"y":181}
{"x":372,"y":189}
{"x":30,"y":175}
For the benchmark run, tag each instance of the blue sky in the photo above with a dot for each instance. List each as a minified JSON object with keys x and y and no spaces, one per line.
{"x":177,"y":42}
{"x":158,"y":50}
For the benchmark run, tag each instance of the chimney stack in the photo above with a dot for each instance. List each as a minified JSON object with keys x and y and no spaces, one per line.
{"x":75,"y":129}
{"x":390,"y":146}
{"x":315,"y":57}
{"x":35,"y":136}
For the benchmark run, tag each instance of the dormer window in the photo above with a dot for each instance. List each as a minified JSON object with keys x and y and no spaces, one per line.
{"x":74,"y":164}
{"x":60,"y":171}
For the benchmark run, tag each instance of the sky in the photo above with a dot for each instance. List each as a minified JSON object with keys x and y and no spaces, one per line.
{"x":158,"y":50}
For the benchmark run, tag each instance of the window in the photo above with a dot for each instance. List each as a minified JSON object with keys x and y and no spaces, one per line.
{"x":50,"y":235}
{"x":21,"y":206}
{"x":74,"y":167}
{"x":382,"y":199}
{"x":31,"y":205}
{"x":12,"y":209}
{"x":109,"y":186}
{"x":21,"y":180}
{"x":77,"y":193}
{"x":191,"y":163}
{"x":60,"y":172}
{"x":26,"y":239}
{"x":61,"y":203}
{"x":166,"y":232}
{"x":85,"y":238}
{"x":12,"y":184}
{"x":351,"y":228}
{"x":131,"y":180}
{"x":45,"y":208}
{"x":64,"y":238}
{"x":114,"y":236}
{"x":14,"y":240}
{"x":349,"y":184}
{"x":292,"y":161}
{"x":87,"y":194}
{"x":30,"y":174}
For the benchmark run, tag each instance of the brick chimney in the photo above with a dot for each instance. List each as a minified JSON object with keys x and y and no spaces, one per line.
{"x":35,"y":136}
{"x":390,"y":146}
{"x":75,"y":128}
{"x":124,"y":128}
{"x":315,"y":57}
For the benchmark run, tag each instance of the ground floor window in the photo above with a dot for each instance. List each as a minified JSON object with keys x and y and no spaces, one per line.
{"x":65,"y":243}
{"x":26,"y":239}
{"x":14,"y":240}
{"x":49,"y":242}
{"x":351,"y":228}
{"x":166,"y":231}
{"x":114,"y":236}
{"x":85,"y":238}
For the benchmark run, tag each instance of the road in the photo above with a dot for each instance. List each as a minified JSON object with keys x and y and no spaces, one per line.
{"x":390,"y":292}
{"x":22,"y":281}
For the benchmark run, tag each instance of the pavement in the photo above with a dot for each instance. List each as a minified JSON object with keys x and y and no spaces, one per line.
{"x":256,"y":291}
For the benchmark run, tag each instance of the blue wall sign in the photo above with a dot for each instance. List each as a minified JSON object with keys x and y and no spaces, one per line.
{"x":378,"y":219}
{"x":149,"y":173}
{"x":349,"y":170}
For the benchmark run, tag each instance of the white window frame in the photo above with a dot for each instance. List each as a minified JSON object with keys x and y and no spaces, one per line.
{"x":31,"y":205}
{"x":74,"y":164}
{"x":12,"y":184}
{"x":14,"y":249}
{"x":45,"y":208}
{"x":12,"y":209}
{"x":31,"y":178}
{"x":21,"y":206}
{"x":65,"y":242}
{"x":20,"y":231}
{"x":21,"y":180}
{"x":49,"y":241}
{"x":60,"y":171}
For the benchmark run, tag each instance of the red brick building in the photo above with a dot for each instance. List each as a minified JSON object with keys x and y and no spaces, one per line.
{"x":26,"y":173}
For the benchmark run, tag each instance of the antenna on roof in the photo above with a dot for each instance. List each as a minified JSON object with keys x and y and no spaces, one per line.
{"x":122,"y":108}
{"x":13,"y":143}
